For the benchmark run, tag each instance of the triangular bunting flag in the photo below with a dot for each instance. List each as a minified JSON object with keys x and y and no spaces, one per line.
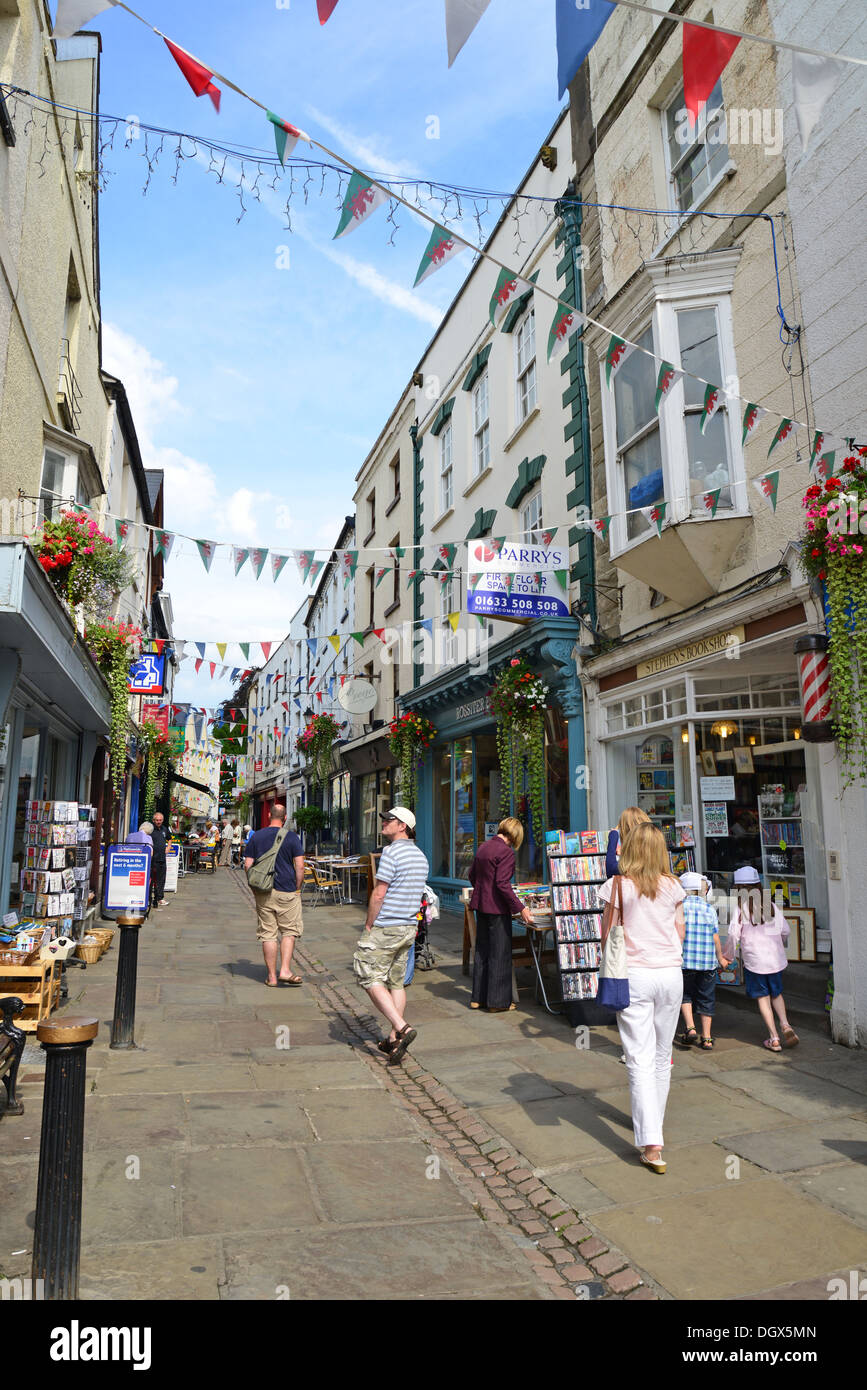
{"x":266,"y":649}
{"x":380,"y":633}
{"x":824,"y":466}
{"x":350,"y":564}
{"x":784,"y":431}
{"x":563,"y":325}
{"x":496,"y":544}
{"x":200,"y":78}
{"x":397,"y":552}
{"x":286,"y":137}
{"x":200,"y":648}
{"x":667,"y":377}
{"x":813,"y":80}
{"x":601,"y":525}
{"x":474,"y":580}
{"x":508,"y":580}
{"x":358,"y":637}
{"x":616,"y":355}
{"x":705,"y":54}
{"x":245,"y":650}
{"x":453,"y":619}
{"x":562,"y":577}
{"x":303,"y":559}
{"x":163,"y":542}
{"x":711,"y":501}
{"x":213,"y":666}
{"x":753,"y":416}
{"x":121,"y":531}
{"x":414,"y":577}
{"x":548,"y":536}
{"x":257,"y":560}
{"x":312,"y":643}
{"x":73,"y":15}
{"x":206,"y":551}
{"x":578,"y":28}
{"x":380,"y":575}
{"x":441,"y":247}
{"x":768,"y":486}
{"x":448,"y":553}
{"x":335,"y":641}
{"x":818,"y":446}
{"x":326,"y":9}
{"x":159,"y":643}
{"x":277,"y":563}
{"x":362,"y":199}
{"x":656,"y":515}
{"x":508,"y":288}
{"x":314,"y":570}
{"x":462,"y":16}
{"x":239,"y":555}
{"x":427,"y":624}
{"x":712,"y":401}
{"x":221,"y":648}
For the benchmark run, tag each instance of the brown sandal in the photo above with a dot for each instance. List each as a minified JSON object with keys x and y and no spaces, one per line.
{"x":406,"y":1036}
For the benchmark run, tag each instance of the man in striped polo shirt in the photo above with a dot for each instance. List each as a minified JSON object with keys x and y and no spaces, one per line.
{"x":382,"y":954}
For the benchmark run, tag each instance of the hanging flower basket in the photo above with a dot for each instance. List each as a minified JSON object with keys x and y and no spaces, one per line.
{"x":157,"y":748}
{"x":410,"y":736}
{"x":114,"y":645}
{"x":518,"y":703}
{"x":82,"y":564}
{"x":316,"y":742}
{"x":834,"y":551}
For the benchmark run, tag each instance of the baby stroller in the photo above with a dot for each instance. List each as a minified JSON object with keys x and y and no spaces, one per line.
{"x":428,"y":912}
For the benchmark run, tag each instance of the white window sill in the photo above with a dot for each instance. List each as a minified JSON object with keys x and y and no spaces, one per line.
{"x":703,"y":519}
{"x":479,"y":478}
{"x":516,"y":434}
{"x":440,"y":519}
{"x":724,"y":174}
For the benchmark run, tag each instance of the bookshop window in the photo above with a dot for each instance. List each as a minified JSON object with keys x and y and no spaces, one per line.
{"x":442,"y":791}
{"x":464,"y":821}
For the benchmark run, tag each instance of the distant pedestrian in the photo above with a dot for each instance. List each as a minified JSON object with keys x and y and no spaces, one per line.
{"x":650,"y":899}
{"x":763,"y":934}
{"x":158,"y":863}
{"x":702,"y":953}
{"x":142,"y":836}
{"x":495,"y":903}
{"x":278,"y":908}
{"x":382,"y":953}
{"x":226,"y":845}
{"x":632,"y":816}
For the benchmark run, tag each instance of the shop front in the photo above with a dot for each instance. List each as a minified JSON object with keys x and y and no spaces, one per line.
{"x":460,"y":795}
{"x":707,"y":737}
{"x":374,"y":786}
{"x":54,"y":713}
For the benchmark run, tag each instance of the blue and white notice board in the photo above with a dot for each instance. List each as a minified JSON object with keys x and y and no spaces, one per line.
{"x":127,"y":878}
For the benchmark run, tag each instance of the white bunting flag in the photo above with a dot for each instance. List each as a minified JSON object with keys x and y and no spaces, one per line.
{"x":462,"y":16}
{"x":73,"y":15}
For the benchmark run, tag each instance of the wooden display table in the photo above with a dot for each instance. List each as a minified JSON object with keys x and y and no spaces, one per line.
{"x":37,"y":986}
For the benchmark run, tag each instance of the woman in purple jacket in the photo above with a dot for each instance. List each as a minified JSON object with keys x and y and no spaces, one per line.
{"x":495,"y":903}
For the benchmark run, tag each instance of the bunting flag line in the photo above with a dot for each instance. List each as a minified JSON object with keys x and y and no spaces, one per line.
{"x":667,"y":377}
{"x":362,"y":199}
{"x":442,"y":246}
{"x":200,"y":78}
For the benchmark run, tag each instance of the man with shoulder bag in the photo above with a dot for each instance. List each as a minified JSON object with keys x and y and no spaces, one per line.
{"x":274,"y":861}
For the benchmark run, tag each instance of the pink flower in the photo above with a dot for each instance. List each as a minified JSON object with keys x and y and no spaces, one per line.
{"x":88,"y":550}
{"x":859,"y":549}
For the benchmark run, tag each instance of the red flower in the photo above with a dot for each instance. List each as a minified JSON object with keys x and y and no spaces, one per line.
{"x":815,"y":552}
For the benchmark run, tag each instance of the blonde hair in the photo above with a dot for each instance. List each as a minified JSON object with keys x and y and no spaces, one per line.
{"x":632,"y":816}
{"x":644,"y":858}
{"x":513,"y":830}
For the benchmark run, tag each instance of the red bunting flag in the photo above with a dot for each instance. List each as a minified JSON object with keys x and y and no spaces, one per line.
{"x":705,"y":54}
{"x":199,"y":77}
{"x":380,"y":633}
{"x":326,"y":9}
{"x":198,"y":665}
{"x":266,"y":649}
{"x":159,"y":643}
{"x":213,"y":666}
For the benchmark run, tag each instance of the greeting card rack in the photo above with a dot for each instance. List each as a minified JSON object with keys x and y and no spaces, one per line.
{"x":576,"y":865}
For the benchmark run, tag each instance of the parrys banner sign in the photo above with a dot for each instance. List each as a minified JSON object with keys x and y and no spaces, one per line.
{"x":506,"y":579}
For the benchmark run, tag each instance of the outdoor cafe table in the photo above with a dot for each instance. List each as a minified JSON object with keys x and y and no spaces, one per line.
{"x":343,"y":866}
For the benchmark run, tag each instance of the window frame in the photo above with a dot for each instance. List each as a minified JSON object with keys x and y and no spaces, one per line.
{"x":700,"y":140}
{"x":523,"y":369}
{"x":73,"y":486}
{"x":447,"y":471}
{"x":672,"y":429}
{"x":529,"y":533}
{"x":481,"y":426}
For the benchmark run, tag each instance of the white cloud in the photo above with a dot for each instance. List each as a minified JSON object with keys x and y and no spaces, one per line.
{"x":361,"y":149}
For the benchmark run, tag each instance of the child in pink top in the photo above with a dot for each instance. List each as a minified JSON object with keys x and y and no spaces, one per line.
{"x":763,"y":938}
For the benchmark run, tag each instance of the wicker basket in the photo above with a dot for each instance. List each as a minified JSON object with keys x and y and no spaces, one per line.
{"x":104,"y":936}
{"x":89,"y":953}
{"x":8,"y":956}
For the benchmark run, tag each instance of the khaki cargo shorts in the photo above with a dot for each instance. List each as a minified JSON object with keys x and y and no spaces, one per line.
{"x":278,"y":915}
{"x":382,"y":955}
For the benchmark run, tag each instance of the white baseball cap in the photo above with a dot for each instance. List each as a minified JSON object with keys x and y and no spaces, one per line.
{"x":747,"y":875}
{"x":693,"y":883}
{"x":401,"y":813}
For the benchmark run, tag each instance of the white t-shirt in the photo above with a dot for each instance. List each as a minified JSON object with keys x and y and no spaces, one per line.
{"x":651,"y":937}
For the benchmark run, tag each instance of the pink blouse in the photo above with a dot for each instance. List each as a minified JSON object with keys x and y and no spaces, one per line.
{"x":652,"y":940}
{"x":762,"y":944}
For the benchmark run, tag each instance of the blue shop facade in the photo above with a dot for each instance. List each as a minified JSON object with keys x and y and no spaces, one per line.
{"x":459,"y":804}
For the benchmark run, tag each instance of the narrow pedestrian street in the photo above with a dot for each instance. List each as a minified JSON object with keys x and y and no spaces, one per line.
{"x":257,"y":1147}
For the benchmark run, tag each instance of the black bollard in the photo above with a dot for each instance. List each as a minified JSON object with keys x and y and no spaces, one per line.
{"x":123,"y":1023}
{"x":57,"y":1239}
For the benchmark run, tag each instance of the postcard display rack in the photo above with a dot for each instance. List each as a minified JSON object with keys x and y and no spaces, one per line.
{"x":576,"y":865}
{"x":781,"y":829}
{"x":56,"y":865}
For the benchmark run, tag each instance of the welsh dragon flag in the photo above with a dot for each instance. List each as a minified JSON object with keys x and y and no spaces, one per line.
{"x":207,"y":550}
{"x":753,"y":416}
{"x":362,"y":199}
{"x":616,"y":354}
{"x":768,"y":485}
{"x":656,"y":515}
{"x":121,"y":531}
{"x":713,"y":399}
{"x":818,"y":446}
{"x":563,"y":326}
{"x":441,"y":247}
{"x":784,"y":431}
{"x":286,"y":136}
{"x":239,"y":556}
{"x":277,"y":563}
{"x":601,"y":525}
{"x":508,"y":288}
{"x":163,"y":542}
{"x":304,"y":560}
{"x":824,"y":465}
{"x":667,"y":377}
{"x":711,"y":501}
{"x":257,"y":560}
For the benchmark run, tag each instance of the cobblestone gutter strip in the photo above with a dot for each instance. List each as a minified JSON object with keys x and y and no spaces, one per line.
{"x":566,"y":1254}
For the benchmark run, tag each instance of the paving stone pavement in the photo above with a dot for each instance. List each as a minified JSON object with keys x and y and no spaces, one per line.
{"x":258,"y":1147}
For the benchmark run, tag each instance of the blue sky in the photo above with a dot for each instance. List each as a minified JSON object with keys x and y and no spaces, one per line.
{"x":260,"y":389}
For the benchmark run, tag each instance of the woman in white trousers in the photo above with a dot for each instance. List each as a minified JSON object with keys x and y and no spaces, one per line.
{"x":653,"y":929}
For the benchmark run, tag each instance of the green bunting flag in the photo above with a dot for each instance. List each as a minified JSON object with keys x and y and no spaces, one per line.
{"x":824,"y":466}
{"x":768,"y":485}
{"x":245,"y":648}
{"x":711,"y":501}
{"x":563,"y":325}
{"x":474,"y":580}
{"x":239,"y":555}
{"x":562,"y":577}
{"x":315,"y":569}
{"x":441,"y":247}
{"x":548,"y":536}
{"x":257,"y":560}
{"x":277,"y":563}
{"x":667,"y":377}
{"x":362,"y":199}
{"x":713,"y":398}
{"x":656,"y":515}
{"x":358,"y":637}
{"x":602,"y":525}
{"x":380,"y":575}
{"x":783,"y":432}
{"x":163,"y":542}
{"x":496,"y":543}
{"x":286,"y":136}
{"x":615,"y":356}
{"x":448,"y":553}
{"x":753,"y":416}
{"x":350,"y":563}
{"x":508,"y":288}
{"x":121,"y":531}
{"x":414,"y":577}
{"x":206,"y":551}
{"x":304,"y":559}
{"x":397,"y":553}
{"x":818,"y":446}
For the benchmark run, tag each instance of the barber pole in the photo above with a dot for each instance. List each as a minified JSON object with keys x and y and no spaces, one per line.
{"x":814,"y":674}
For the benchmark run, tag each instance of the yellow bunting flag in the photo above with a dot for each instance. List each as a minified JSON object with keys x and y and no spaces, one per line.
{"x":221,"y":648}
{"x":454,"y":619}
{"x":335,"y":642}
